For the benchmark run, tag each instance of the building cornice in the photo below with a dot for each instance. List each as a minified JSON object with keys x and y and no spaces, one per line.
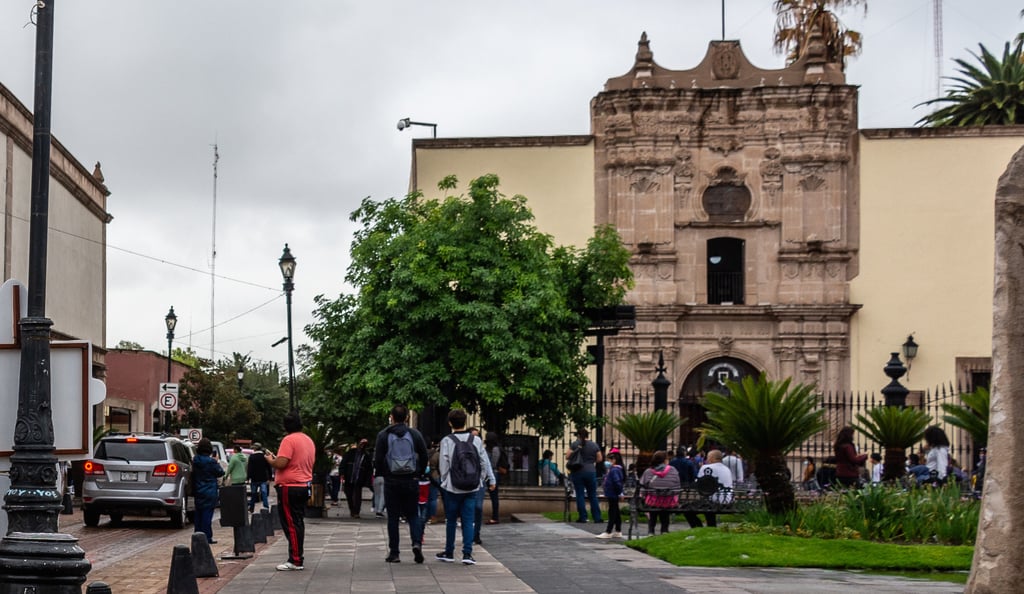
{"x":485,"y":142}
{"x":943,"y":132}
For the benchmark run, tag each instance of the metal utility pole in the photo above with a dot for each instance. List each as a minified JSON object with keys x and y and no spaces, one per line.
{"x":34,"y":557}
{"x":213,"y":257}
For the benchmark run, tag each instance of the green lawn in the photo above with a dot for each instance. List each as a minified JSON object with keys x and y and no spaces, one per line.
{"x":691,"y":547}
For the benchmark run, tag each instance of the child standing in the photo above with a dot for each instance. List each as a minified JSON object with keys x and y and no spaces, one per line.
{"x":614,"y":480}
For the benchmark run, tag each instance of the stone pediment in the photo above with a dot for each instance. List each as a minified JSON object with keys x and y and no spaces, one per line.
{"x":725,"y":66}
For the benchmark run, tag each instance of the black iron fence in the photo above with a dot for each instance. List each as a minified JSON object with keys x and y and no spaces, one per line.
{"x":840,"y":409}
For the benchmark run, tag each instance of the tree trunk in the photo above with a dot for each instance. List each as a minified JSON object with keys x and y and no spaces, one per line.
{"x":773,"y":478}
{"x":895,"y":464}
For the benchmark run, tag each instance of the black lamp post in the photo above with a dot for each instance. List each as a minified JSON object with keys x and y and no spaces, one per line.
{"x":895,"y":393}
{"x":34,"y":556}
{"x":661,"y":384}
{"x":287,"y":264}
{"x":170,"y":320}
{"x":241,"y":376}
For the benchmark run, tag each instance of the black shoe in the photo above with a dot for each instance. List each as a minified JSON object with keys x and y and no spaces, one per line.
{"x":468,"y":560}
{"x":581,"y":521}
{"x":478,"y":541}
{"x":211,"y":541}
{"x":393,"y":558}
{"x":446,"y":557}
{"x":417,"y":553}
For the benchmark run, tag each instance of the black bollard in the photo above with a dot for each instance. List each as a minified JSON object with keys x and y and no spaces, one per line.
{"x":268,"y":522}
{"x":203,"y":563}
{"x":275,"y":517}
{"x":182,"y":579}
{"x":259,"y":531}
{"x":98,"y":588}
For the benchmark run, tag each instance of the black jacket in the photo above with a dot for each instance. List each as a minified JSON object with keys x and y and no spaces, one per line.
{"x":364,"y":478}
{"x":258,"y":468}
{"x":380,"y":453}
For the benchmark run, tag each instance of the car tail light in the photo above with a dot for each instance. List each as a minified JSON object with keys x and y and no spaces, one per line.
{"x":92,"y":467}
{"x":132,"y":439}
{"x":166,"y":470}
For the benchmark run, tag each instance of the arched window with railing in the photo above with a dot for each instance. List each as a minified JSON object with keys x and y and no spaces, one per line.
{"x":725,"y":271}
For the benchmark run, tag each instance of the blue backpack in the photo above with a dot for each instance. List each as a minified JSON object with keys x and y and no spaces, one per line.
{"x":401,"y":455}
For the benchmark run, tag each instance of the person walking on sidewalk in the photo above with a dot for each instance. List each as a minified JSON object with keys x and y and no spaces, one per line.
{"x":357,"y":472}
{"x":259,"y":471}
{"x":584,"y":479}
{"x":400,"y":455}
{"x":464,"y":468}
{"x":294,"y":465}
{"x":614,"y":481}
{"x":205,"y":472}
{"x":237,"y":467}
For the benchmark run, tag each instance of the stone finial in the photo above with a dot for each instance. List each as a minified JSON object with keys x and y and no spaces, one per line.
{"x":97,"y":173}
{"x":644,"y":66}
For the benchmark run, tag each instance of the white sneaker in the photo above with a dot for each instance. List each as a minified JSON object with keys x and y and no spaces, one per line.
{"x":617,"y":535}
{"x":289,"y":566}
{"x":604,"y":535}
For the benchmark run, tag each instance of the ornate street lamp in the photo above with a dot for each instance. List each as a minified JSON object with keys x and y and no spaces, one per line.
{"x":34,"y":556}
{"x":287,"y":264}
{"x":170,"y":320}
{"x":241,"y":376}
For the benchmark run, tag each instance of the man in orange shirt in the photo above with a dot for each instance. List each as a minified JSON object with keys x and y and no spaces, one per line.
{"x":294,"y":465}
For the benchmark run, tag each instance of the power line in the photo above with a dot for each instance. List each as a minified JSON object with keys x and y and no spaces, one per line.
{"x":148,"y":257}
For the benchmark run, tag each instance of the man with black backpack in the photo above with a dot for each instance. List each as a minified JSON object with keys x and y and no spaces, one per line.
{"x":464,"y":467}
{"x":400,"y":456}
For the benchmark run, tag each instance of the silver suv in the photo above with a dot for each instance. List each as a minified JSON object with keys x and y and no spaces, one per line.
{"x":132,"y":473}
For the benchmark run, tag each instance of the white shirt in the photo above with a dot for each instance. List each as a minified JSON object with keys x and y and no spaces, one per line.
{"x":735,"y":465}
{"x":724,"y":475}
{"x":876,"y":472}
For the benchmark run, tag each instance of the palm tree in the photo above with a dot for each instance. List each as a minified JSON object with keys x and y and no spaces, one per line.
{"x":797,"y":19}
{"x":647,"y":431}
{"x":992,"y":95}
{"x":895,"y":429}
{"x":972,"y":417}
{"x":764,"y":420}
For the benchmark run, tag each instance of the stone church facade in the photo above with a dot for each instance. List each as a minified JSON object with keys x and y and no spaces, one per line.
{"x":736,"y":189}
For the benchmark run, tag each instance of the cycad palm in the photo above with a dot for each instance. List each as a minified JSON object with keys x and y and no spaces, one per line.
{"x":992,"y":95}
{"x":972,"y":417}
{"x":796,"y":20}
{"x":647,"y":431}
{"x":764,"y":420}
{"x":895,"y":429}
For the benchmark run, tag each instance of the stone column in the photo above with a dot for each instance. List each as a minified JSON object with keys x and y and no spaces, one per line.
{"x":999,"y":550}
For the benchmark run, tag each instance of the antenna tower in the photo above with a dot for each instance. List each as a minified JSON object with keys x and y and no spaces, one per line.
{"x":213,"y":254}
{"x":937,"y":36}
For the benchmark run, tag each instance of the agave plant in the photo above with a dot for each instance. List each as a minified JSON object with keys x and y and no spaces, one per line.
{"x":764,"y":420}
{"x":648,"y":430}
{"x":972,"y":417}
{"x":895,"y":429}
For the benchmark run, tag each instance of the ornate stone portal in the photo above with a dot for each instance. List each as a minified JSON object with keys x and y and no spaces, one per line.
{"x":736,"y":189}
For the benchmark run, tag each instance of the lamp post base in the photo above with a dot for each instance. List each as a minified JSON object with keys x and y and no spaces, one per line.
{"x":42,"y":562}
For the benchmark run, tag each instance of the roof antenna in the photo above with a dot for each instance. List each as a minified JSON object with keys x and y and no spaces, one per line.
{"x":213,"y":253}
{"x":723,"y":20}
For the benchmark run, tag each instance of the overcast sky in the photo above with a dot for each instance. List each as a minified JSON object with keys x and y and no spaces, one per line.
{"x":302,"y":98}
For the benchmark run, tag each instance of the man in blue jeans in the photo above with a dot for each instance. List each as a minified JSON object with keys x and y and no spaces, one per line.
{"x":460,"y":504}
{"x":584,"y":480}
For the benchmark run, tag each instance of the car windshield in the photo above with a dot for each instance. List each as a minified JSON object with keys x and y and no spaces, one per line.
{"x":138,"y":451}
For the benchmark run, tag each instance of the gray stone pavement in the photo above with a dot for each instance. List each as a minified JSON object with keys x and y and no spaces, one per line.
{"x":345,"y":555}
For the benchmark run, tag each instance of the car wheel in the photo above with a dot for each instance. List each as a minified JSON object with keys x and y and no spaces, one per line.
{"x":91,"y":518}
{"x":116,"y":518}
{"x":177,"y":517}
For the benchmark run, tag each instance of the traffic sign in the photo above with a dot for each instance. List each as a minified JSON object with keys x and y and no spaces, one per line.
{"x":194,"y":435}
{"x":167,"y":397}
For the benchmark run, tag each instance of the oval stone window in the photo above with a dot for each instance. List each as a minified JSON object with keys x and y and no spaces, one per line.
{"x":726,"y":200}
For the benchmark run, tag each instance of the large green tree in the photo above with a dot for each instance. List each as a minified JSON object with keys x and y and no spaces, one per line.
{"x":989,"y":95}
{"x":797,"y":19}
{"x":463,"y":302}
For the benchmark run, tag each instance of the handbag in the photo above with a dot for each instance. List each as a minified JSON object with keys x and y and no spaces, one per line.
{"x":575,"y":461}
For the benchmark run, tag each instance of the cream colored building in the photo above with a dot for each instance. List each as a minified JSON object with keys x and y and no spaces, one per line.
{"x":848,"y":240}
{"x":76,"y":273}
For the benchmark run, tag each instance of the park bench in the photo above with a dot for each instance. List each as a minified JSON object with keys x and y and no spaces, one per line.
{"x":705,"y":495}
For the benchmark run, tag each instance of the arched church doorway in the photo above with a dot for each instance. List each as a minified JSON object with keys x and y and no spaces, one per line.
{"x":709,"y":376}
